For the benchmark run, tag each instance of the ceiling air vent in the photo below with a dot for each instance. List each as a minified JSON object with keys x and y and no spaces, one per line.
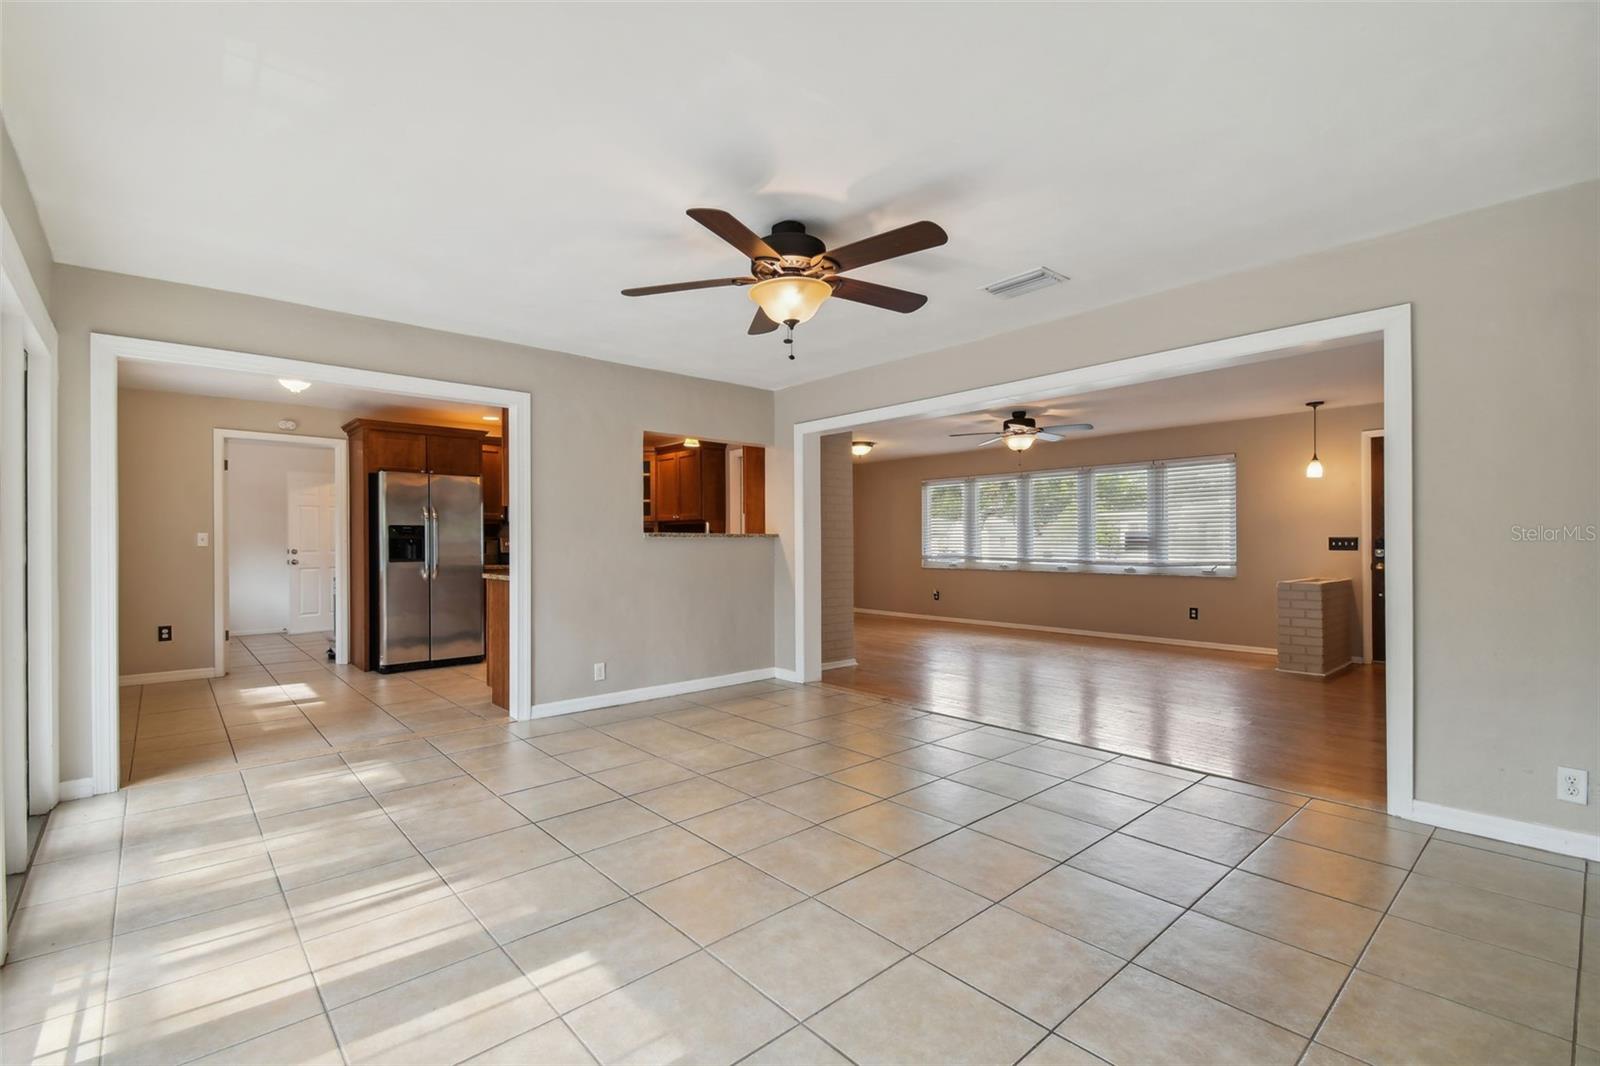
{"x":1021,"y":284}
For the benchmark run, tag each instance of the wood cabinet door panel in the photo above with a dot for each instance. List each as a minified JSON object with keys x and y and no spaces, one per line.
{"x":387,"y":449}
{"x":494,"y":501}
{"x":455,"y":455}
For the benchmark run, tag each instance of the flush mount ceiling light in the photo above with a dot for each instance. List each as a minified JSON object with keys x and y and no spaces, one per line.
{"x":859,"y":448}
{"x":491,"y":418}
{"x":1314,"y":467}
{"x":792,"y":272}
{"x":294,"y":385}
{"x":691,"y":442}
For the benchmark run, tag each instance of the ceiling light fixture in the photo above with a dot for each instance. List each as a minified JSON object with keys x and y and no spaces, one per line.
{"x":691,"y":442}
{"x":294,"y":385}
{"x":491,"y":418}
{"x":1314,"y":467}
{"x":858,"y":448}
{"x":1019,"y":442}
{"x":790,"y":299}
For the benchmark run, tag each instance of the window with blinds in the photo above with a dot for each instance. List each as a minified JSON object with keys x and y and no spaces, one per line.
{"x":1172,"y":516}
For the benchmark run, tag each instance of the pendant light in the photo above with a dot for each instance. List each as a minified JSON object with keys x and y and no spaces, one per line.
{"x":1314,"y":467}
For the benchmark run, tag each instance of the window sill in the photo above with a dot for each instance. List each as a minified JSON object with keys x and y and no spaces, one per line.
{"x":1088,"y":568}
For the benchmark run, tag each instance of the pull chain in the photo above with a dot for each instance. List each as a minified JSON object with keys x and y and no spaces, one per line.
{"x":789,"y":340}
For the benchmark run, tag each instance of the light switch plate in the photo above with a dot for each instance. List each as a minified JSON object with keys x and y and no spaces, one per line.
{"x":202,"y":540}
{"x":599,"y":671}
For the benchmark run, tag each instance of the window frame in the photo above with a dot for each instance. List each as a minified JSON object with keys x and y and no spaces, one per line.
{"x":1084,"y":563}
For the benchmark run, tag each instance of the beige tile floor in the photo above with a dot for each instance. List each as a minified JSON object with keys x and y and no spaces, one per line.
{"x":395,"y":873}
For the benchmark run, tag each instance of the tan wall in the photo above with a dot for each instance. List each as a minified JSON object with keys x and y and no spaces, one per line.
{"x":654,"y":610}
{"x":164,"y":470}
{"x":16,"y":203}
{"x":838,"y":553}
{"x":1505,"y":377}
{"x":1285,"y":520}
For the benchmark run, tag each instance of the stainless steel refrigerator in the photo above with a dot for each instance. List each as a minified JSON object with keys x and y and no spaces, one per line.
{"x":430,"y":569}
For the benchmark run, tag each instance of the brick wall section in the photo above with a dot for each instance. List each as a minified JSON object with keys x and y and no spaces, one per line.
{"x":1314,"y":624}
{"x":838,"y":550}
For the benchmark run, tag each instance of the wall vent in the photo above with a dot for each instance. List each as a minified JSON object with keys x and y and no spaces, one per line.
{"x":1021,"y":284}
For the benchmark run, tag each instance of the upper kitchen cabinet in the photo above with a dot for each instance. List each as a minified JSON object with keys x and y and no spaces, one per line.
{"x":494,"y":480}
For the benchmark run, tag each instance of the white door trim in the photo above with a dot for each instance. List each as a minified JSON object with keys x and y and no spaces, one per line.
{"x":22,"y":300}
{"x":1390,"y":324}
{"x":219,"y":536}
{"x":104,"y":352}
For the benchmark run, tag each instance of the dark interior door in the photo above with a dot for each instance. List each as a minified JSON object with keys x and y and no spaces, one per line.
{"x":1377,"y":604}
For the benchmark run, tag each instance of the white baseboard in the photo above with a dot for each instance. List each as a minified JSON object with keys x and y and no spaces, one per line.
{"x":78,"y":788}
{"x":1510,"y":830}
{"x":1248,"y":649}
{"x":839,"y":664}
{"x":169,"y":675}
{"x":651,"y":692}
{"x":783,"y":673}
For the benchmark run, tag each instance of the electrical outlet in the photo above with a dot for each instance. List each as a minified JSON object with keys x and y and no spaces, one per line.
{"x":936,"y":594}
{"x":163,"y":633}
{"x":599,"y":671}
{"x":1194,"y":614}
{"x":1572,"y":786}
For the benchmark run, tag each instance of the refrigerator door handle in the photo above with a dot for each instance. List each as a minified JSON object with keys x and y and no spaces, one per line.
{"x":434,"y":536}
{"x":427,"y":543}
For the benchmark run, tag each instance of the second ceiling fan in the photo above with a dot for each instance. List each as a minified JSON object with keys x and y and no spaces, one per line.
{"x":793,"y":272}
{"x":1019,"y":432}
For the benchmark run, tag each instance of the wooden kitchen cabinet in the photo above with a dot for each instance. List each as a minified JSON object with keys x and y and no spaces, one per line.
{"x":691,"y":485}
{"x":494,"y":480}
{"x":377,"y":445}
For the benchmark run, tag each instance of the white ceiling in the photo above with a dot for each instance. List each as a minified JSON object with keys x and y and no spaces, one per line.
{"x":1340,"y":377}
{"x":239,"y":385}
{"x":503,"y":170}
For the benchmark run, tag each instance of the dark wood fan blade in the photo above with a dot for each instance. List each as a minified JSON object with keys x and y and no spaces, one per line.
{"x":916,"y":237}
{"x":865,"y":292}
{"x":733,"y":231}
{"x":685,"y":286}
{"x":761,"y":323}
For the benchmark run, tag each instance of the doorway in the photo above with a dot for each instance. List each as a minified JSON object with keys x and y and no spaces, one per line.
{"x":279,"y":548}
{"x":1374,"y":571}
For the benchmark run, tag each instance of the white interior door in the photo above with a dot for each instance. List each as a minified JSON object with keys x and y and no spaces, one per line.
{"x":309,"y":555}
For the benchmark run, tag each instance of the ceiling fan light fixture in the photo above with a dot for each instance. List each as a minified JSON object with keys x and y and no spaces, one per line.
{"x":858,"y":448}
{"x":790,"y":297}
{"x":1019,"y":442}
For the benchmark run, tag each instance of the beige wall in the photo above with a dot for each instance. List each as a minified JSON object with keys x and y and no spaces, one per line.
{"x":655,"y":610}
{"x":838,"y":553}
{"x":1285,"y":520}
{"x":1505,"y":379}
{"x":164,"y":473}
{"x":21,"y":214}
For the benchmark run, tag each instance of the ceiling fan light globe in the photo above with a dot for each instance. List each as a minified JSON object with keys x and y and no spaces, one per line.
{"x":1019,"y":442}
{"x":790,"y":298}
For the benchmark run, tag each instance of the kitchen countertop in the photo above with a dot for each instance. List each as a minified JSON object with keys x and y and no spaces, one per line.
{"x":496,"y":572}
{"x":713,"y":536}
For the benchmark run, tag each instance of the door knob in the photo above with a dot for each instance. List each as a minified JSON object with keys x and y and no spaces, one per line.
{"x":294,"y":562}
{"x":294,"y":551}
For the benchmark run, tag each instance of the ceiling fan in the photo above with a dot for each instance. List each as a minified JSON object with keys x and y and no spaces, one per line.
{"x":1019,"y":432}
{"x":793,"y":272}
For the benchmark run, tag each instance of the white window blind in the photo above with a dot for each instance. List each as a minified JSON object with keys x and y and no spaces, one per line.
{"x":1172,"y":516}
{"x":944,"y":520}
{"x":996,"y":534}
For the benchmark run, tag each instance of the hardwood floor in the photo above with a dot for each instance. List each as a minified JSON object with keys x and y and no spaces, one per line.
{"x":1225,"y":713}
